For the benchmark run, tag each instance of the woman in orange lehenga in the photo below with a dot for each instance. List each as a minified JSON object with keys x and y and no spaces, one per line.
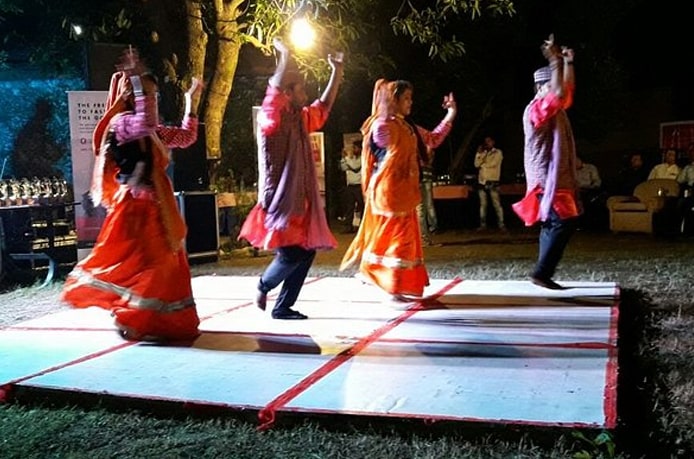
{"x":138,"y":268}
{"x":388,"y":245}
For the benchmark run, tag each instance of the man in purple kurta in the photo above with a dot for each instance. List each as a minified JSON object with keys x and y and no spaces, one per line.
{"x":289,"y":216}
{"x":550,"y":162}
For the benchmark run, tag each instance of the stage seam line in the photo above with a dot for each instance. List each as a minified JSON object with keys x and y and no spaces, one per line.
{"x":244,"y":305}
{"x":571,"y":345}
{"x":7,"y":388}
{"x":267,"y":415}
{"x":79,"y":329}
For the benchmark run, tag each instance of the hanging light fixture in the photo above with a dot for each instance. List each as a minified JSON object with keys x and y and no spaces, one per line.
{"x":77,"y":30}
{"x":302,"y":33}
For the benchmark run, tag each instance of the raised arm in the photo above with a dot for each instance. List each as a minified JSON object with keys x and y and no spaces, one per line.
{"x":330,"y":94}
{"x":185,"y":135}
{"x":435,"y":137}
{"x":277,"y":78}
{"x":451,"y":107}
{"x":569,"y":76}
{"x":317,"y":113}
{"x":192,"y":97}
{"x":138,"y":90}
{"x":568,"y":58}
{"x":552,"y":52}
{"x":143,"y":120}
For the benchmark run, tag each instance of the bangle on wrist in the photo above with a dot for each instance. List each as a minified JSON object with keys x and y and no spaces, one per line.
{"x":136,"y":84}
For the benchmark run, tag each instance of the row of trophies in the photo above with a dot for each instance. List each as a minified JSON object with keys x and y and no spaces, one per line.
{"x":33,"y":191}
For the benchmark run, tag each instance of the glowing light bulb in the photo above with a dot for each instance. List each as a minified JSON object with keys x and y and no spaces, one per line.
{"x":77,"y":29}
{"x":302,"y":34}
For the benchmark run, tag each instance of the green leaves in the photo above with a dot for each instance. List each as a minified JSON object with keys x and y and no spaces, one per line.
{"x":9,"y":6}
{"x":345,"y":24}
{"x":602,"y":445}
{"x":431,"y":26}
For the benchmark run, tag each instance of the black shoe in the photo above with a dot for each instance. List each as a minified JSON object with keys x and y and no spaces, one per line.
{"x":260,"y":300}
{"x":130,"y":335}
{"x":400,"y":298}
{"x":546,"y":283}
{"x":288,"y":314}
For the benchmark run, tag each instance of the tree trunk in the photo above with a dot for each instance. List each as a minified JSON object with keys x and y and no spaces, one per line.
{"x":228,"y":48}
{"x":197,"y":50}
{"x":197,"y":39}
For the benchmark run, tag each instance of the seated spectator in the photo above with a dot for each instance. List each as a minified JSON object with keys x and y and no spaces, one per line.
{"x":587,"y":175}
{"x":592,"y":196}
{"x":630,"y":176}
{"x":666,"y":170}
{"x":685,"y":204}
{"x":686,"y":175}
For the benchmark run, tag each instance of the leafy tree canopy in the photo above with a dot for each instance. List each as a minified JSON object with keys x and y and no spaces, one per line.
{"x":477,"y":48}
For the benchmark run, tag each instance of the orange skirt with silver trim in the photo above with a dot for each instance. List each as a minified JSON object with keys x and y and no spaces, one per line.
{"x":132,"y":272}
{"x":389,"y":252}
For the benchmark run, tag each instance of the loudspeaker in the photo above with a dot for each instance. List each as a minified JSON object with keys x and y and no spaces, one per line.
{"x":190,"y":168}
{"x":199,"y":210}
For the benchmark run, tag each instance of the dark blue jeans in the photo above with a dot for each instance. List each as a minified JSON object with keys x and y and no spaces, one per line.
{"x":554,"y":236}
{"x":289,"y":268}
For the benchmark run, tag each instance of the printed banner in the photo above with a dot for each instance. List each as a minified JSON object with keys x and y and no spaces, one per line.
{"x":85,"y":109}
{"x":318,"y":150}
{"x":676,"y":135}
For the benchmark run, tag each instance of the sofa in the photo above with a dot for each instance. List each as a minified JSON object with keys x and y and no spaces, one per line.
{"x":639,"y":212}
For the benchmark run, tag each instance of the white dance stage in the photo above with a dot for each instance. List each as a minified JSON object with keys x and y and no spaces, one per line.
{"x":474,"y":351}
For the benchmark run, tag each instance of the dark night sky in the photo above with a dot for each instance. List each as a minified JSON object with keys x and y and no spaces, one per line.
{"x":653,"y":43}
{"x":657,"y":44}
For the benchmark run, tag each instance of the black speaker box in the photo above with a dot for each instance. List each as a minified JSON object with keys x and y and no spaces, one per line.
{"x":190,"y":168}
{"x":199,"y":210}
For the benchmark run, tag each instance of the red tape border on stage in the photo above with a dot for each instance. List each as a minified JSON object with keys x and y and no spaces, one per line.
{"x":610,"y":399}
{"x":267,"y":414}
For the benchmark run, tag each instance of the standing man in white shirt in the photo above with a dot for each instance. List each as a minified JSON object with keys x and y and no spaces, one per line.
{"x":488,"y":163}
{"x":354,"y":198}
